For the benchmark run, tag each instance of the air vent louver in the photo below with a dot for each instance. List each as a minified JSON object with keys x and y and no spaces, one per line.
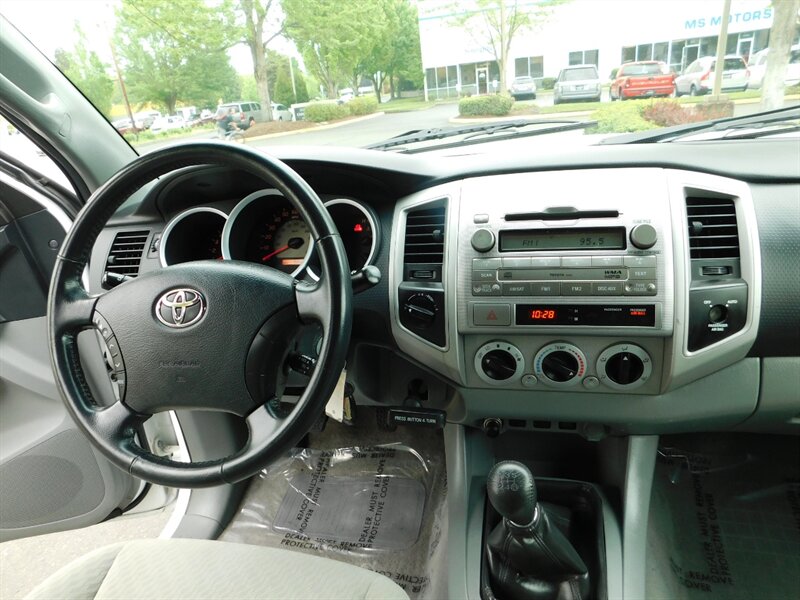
{"x":125,"y":255}
{"x":424,"y":243}
{"x":712,"y":228}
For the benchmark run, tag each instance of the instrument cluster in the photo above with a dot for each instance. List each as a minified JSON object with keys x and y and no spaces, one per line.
{"x":265,"y":228}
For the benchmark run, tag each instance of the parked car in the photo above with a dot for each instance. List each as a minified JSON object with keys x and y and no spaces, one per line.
{"x":170,"y":123}
{"x":523,"y":87}
{"x":346,"y":94}
{"x":250,"y":112}
{"x":280,"y":112}
{"x":123,"y":125}
{"x":758,"y":68}
{"x":577,"y":82}
{"x":698,"y":78}
{"x":643,"y":79}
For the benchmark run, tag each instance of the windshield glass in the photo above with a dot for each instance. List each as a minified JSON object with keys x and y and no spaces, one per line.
{"x":268,"y":72}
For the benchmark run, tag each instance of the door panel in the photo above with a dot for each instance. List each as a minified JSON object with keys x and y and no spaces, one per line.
{"x":51,"y":479}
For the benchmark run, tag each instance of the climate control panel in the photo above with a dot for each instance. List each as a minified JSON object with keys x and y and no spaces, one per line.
{"x":584,"y":364}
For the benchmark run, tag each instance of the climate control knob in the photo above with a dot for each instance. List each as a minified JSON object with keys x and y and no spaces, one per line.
{"x":499,"y":363}
{"x":559,"y":364}
{"x":624,"y":366}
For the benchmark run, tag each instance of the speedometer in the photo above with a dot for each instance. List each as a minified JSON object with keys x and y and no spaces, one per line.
{"x":281,"y":240}
{"x":265,"y":228}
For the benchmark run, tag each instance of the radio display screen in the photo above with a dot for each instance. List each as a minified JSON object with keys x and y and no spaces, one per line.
{"x":597,"y":315}
{"x":599,"y":238}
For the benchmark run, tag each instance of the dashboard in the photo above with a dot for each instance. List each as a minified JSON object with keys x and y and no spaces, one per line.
{"x":636,"y":289}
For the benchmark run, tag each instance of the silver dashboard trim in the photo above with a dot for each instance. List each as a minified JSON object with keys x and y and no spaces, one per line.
{"x":162,"y":259}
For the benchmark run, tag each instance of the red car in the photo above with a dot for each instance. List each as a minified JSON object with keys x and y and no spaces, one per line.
{"x":643,"y":79}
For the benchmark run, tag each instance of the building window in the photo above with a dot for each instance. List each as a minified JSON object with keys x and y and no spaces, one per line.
{"x":529,"y":66}
{"x":661,"y":51}
{"x":584,"y":57}
{"x":628,"y":54}
{"x":644,"y":52}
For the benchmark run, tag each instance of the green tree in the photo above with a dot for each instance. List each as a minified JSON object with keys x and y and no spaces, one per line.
{"x":85,"y":69}
{"x":285,"y":93}
{"x":493,"y":24}
{"x":176,"y":51}
{"x":248,"y":87}
{"x":262,"y":24}
{"x":335,"y":37}
{"x":781,"y":36}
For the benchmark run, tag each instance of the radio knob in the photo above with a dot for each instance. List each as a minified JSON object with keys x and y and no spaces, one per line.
{"x":644,"y":236}
{"x":483,"y":240}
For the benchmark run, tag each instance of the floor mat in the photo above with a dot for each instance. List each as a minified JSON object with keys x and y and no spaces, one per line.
{"x":370,"y":498}
{"x":725,"y":520}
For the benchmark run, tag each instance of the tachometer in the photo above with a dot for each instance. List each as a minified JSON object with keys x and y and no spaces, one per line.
{"x":195,"y":234}
{"x":358,"y":229}
{"x":265,"y":228}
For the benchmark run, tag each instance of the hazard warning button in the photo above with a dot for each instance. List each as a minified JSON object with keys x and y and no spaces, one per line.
{"x":491,"y":314}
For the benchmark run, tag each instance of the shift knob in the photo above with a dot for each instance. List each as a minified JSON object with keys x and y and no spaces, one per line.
{"x":512,"y":491}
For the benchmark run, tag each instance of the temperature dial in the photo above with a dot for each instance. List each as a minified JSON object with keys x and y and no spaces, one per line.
{"x":499,"y":363}
{"x":624,"y":366}
{"x":560,"y":364}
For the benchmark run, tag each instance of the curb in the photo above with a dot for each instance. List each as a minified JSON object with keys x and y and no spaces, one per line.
{"x":466,"y":120}
{"x":310,"y":129}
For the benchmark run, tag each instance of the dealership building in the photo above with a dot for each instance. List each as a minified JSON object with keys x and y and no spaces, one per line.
{"x":458,"y":59}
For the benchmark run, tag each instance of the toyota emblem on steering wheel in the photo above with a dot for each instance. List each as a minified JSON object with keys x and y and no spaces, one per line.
{"x":181,"y":308}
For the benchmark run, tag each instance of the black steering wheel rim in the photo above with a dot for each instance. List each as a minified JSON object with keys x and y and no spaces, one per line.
{"x":71,"y":310}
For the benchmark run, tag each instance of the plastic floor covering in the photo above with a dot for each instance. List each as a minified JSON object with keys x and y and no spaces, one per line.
{"x":725,"y":520}
{"x":366,"y":497}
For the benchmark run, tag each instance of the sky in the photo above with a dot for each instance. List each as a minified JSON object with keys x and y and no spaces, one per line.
{"x":49,"y":25}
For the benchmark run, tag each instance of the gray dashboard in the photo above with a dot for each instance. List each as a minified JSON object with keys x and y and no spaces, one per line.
{"x":721,"y":384}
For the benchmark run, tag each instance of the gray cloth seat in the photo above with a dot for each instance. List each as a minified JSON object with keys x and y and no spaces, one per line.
{"x":204,"y":569}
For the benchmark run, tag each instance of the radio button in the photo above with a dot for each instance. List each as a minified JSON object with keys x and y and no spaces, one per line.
{"x":479,"y":264}
{"x":640,"y":288}
{"x":644,"y":236}
{"x":517,"y":262}
{"x":576,"y":261}
{"x":637,"y":273}
{"x":486,"y":289}
{"x":541,"y":262}
{"x":484,"y":276}
{"x":607,"y":289}
{"x":640,"y":261}
{"x":480,"y":218}
{"x":546,"y":289}
{"x":491,"y":314}
{"x":516,"y":289}
{"x":576,"y":289}
{"x":607,"y":261}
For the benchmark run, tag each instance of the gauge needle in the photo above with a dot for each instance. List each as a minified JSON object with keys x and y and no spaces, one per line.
{"x":294,"y":243}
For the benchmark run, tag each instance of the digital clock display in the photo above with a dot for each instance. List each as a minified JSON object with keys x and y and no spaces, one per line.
{"x":532,"y":240}
{"x":539,"y":314}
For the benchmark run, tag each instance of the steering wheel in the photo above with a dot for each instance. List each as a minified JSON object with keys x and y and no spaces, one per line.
{"x":208,"y":335}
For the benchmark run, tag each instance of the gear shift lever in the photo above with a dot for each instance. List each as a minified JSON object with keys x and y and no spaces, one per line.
{"x":512,"y":492}
{"x":529,"y":558}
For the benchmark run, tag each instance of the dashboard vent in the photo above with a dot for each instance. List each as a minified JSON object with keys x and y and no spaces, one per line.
{"x":712,"y":228}
{"x":124,"y":257}
{"x":424,"y":243}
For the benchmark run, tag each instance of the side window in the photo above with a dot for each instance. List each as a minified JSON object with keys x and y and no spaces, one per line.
{"x":256,"y":106}
{"x":17,"y":145}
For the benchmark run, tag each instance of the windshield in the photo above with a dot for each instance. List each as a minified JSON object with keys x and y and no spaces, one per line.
{"x":267,"y":72}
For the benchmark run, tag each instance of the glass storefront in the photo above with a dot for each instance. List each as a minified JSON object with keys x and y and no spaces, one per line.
{"x":469,"y":79}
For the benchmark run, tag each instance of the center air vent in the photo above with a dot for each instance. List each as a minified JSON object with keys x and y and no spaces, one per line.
{"x":424,"y":244}
{"x":712,"y":228}
{"x":124,"y":257}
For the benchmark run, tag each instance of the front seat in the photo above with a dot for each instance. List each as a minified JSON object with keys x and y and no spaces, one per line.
{"x":205,"y":569}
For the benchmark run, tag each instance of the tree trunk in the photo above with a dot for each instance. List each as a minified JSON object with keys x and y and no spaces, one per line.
{"x":391,"y":87}
{"x":502,"y":60}
{"x":255,"y":14}
{"x":784,"y":26}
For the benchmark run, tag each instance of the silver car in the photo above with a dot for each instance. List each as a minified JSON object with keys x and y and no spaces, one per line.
{"x":523,"y":87}
{"x":577,"y":82}
{"x":698,"y":78}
